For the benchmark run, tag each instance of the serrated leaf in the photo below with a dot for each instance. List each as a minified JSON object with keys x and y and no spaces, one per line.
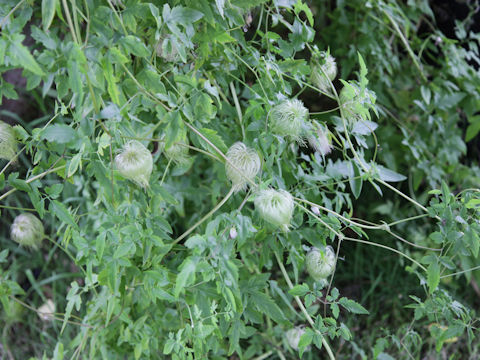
{"x":62,"y":213}
{"x":22,"y":56}
{"x":353,"y":306}
{"x":265,"y":304}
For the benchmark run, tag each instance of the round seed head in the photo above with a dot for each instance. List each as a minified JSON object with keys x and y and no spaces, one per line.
{"x":27,"y":230}
{"x":288,"y":119}
{"x":242,"y":166}
{"x":46,"y":311}
{"x":135,"y":163}
{"x":324,"y":66}
{"x":275,"y":207}
{"x":320,"y":262}
{"x":8,"y":142}
{"x":293,"y":336}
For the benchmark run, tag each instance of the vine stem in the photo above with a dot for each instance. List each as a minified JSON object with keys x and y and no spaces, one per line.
{"x":387,"y":248}
{"x":210,"y":213}
{"x":39,"y":176}
{"x":302,"y":307}
{"x":239,"y":109}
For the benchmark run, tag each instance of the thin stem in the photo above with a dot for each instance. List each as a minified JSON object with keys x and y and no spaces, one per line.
{"x":210,"y":213}
{"x":407,"y":45}
{"x":165,"y":172}
{"x":388,"y":248}
{"x":461,"y":272}
{"x":239,"y":109}
{"x":39,"y":176}
{"x":69,"y":21}
{"x":302,"y":307}
{"x":4,"y":20}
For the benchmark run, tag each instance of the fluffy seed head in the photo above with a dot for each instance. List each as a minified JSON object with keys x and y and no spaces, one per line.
{"x":135,"y":163}
{"x":288,"y":119}
{"x":27,"y":230}
{"x":320,"y":141}
{"x":8,"y":143}
{"x":324,"y":66}
{"x":275,"y":207}
{"x":46,"y":311}
{"x":293,"y":336}
{"x":243,"y":164}
{"x":320,"y":262}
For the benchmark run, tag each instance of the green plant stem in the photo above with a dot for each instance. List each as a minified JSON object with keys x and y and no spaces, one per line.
{"x":210,"y":213}
{"x":39,"y":176}
{"x":407,"y":45}
{"x":4,"y":20}
{"x":239,"y":109}
{"x":69,"y":21}
{"x":302,"y":308}
{"x":460,"y":272}
{"x":387,"y":248}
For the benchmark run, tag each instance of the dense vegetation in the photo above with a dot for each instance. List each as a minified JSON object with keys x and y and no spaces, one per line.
{"x":239,"y":179}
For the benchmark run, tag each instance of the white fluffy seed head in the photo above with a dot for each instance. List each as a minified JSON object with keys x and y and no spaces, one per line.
{"x":320,"y":262}
{"x":288,"y":119}
{"x":46,"y":312}
{"x":27,"y":230}
{"x":243,"y":165}
{"x":293,"y":336}
{"x":135,"y":163}
{"x":275,"y":207}
{"x":320,"y":141}
{"x":8,"y":142}
{"x":324,"y":66}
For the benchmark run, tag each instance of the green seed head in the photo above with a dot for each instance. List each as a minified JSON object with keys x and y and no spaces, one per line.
{"x":27,"y":230}
{"x":8,"y":142}
{"x":320,"y":262}
{"x":243,"y":165}
{"x":275,"y":207}
{"x":288,"y":119}
{"x":135,"y":163}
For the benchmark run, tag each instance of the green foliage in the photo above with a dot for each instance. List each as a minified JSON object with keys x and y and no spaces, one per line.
{"x":184,"y":266}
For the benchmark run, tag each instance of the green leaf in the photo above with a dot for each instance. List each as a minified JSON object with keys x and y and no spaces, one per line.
{"x":59,"y":133}
{"x":299,"y":290}
{"x":74,"y":164}
{"x":265,"y":304}
{"x":48,"y":11}
{"x":433,"y":276}
{"x":62,"y":213}
{"x":356,"y":181}
{"x":21,"y":56}
{"x":135,"y":46}
{"x":352,"y":306}
{"x":124,"y":249}
{"x":185,"y":276}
